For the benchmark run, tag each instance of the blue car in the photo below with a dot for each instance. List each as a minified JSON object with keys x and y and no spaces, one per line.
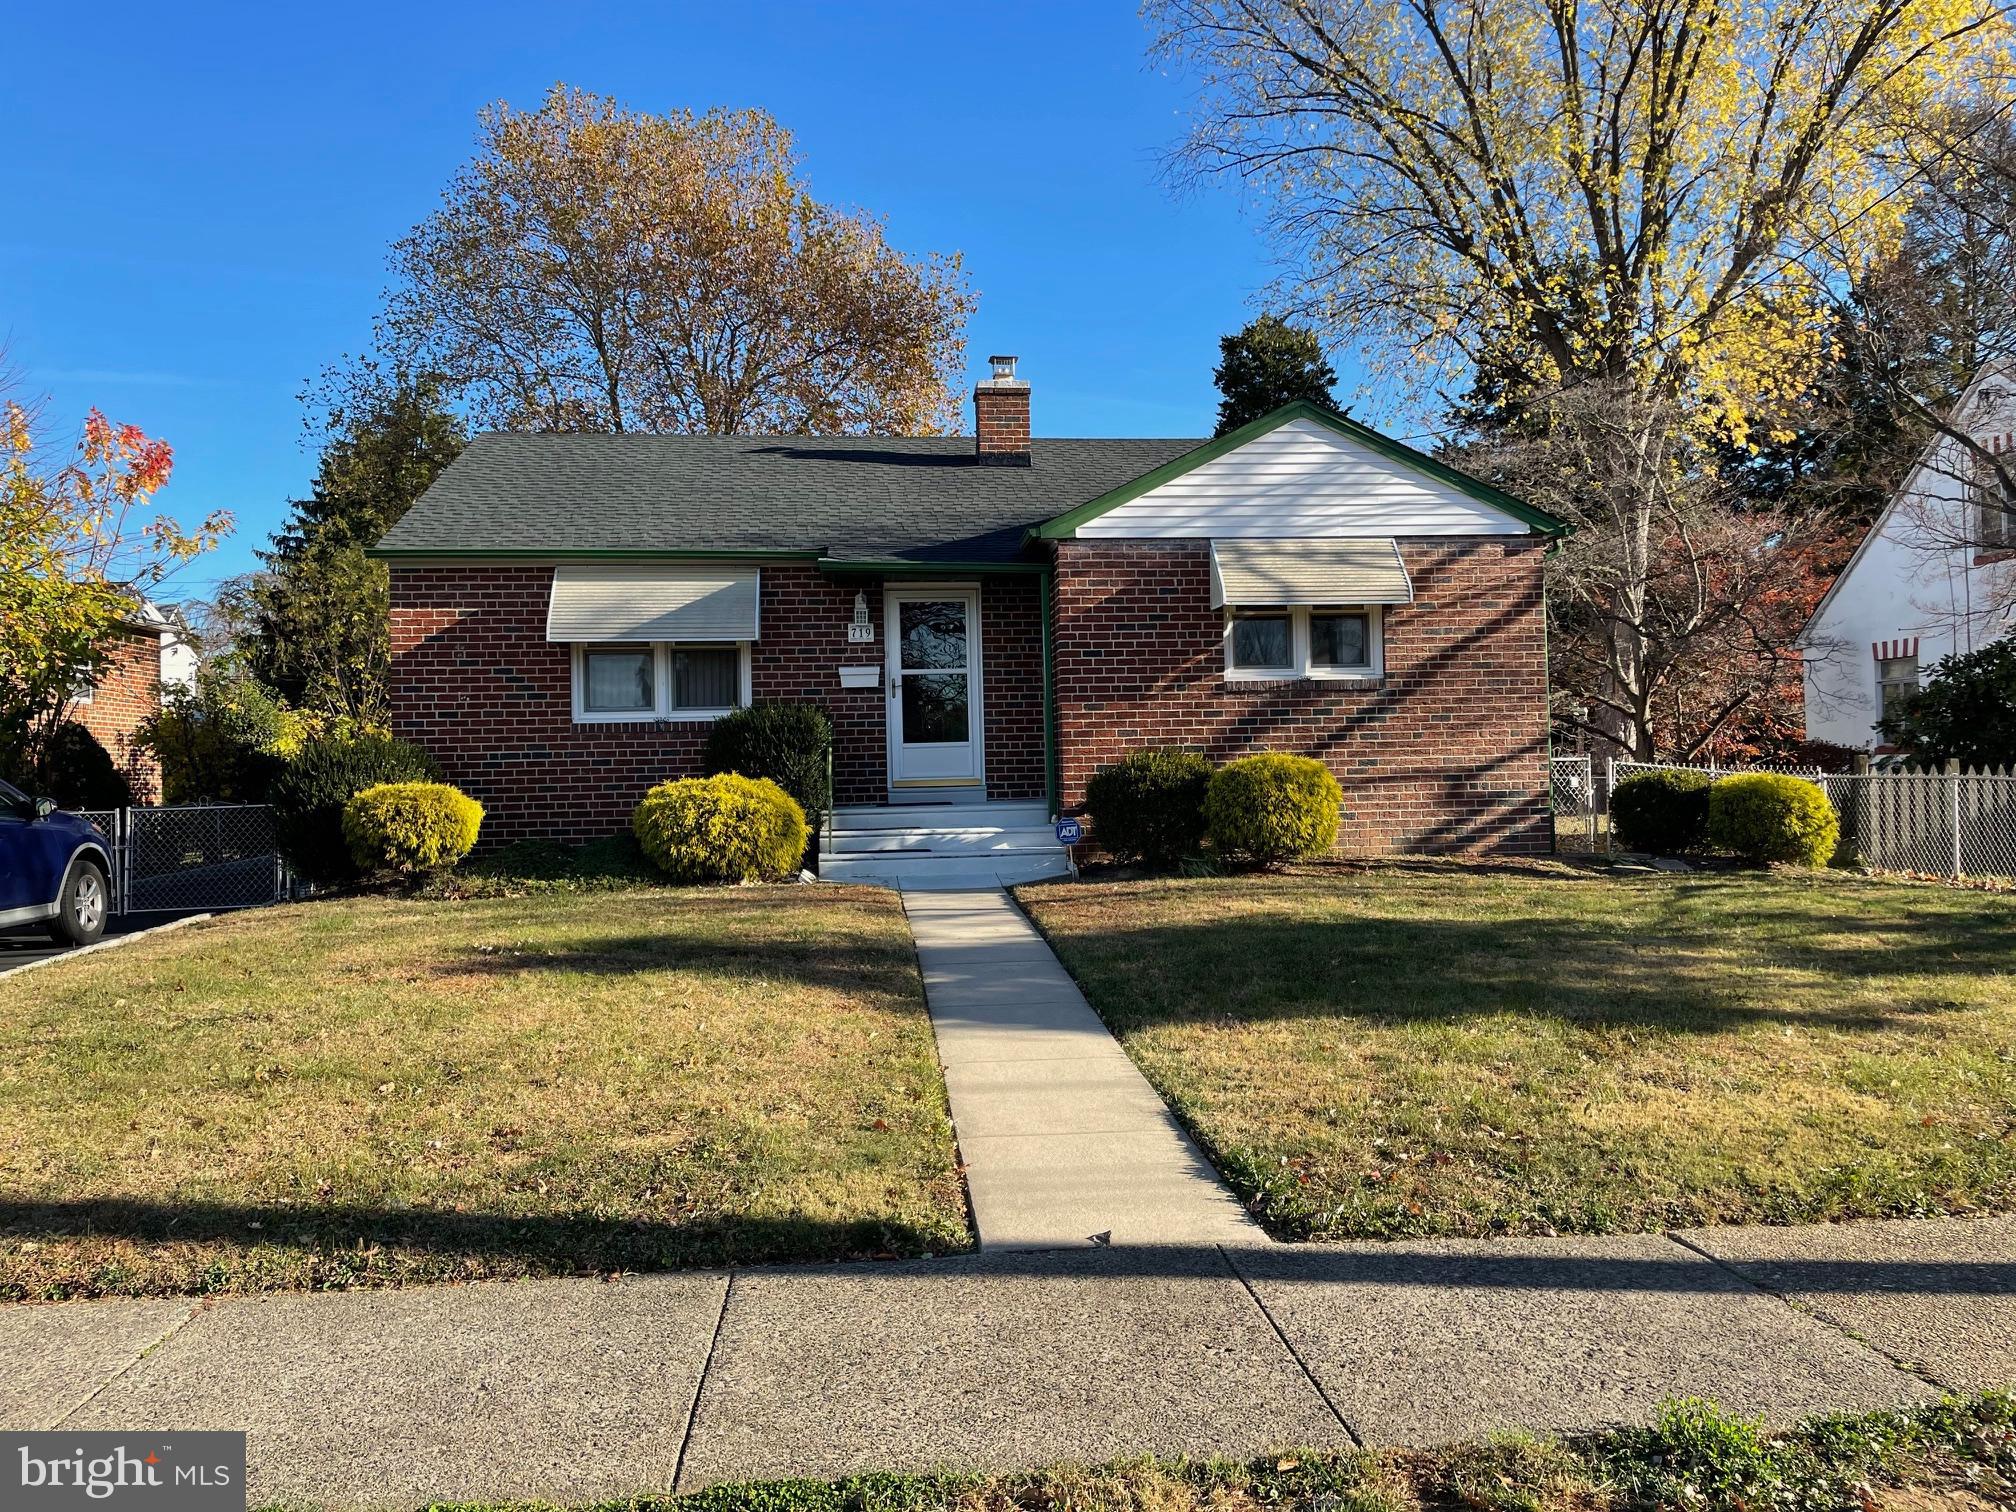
{"x":54,"y":869}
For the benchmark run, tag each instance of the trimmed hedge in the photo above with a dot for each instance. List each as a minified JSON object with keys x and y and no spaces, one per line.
{"x":309,"y":796}
{"x":1663,"y":813}
{"x":1272,"y":808}
{"x":788,"y":743}
{"x":724,"y":828}
{"x":1149,"y":805}
{"x":408,"y":828}
{"x":1769,"y":816}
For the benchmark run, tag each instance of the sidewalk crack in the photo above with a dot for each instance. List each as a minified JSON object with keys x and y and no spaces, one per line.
{"x":700,"y":1385}
{"x":1288,"y":1344}
{"x":120,"y":1374}
{"x":1806,"y":1310}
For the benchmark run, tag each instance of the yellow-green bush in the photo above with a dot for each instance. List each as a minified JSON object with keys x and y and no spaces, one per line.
{"x":1768,"y":816}
{"x":408,"y":828}
{"x":725,"y":828}
{"x":1272,"y":808}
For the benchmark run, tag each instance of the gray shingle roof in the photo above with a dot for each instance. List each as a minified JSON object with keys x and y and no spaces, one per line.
{"x":921,"y":498}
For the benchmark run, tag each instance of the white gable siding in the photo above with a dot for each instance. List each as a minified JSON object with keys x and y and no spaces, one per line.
{"x":1904,"y":586}
{"x":1301,"y":481}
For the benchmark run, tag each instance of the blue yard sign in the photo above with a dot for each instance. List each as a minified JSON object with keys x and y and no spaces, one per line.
{"x":1069,"y":832}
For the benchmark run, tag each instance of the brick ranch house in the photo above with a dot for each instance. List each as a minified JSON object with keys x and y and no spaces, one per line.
{"x":987,"y":619}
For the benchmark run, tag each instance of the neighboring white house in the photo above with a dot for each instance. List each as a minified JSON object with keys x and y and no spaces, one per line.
{"x":1936,"y":575}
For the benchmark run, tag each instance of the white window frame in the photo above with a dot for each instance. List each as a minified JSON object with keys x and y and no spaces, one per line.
{"x":661,"y":682}
{"x":1910,"y":686}
{"x":1302,"y":669}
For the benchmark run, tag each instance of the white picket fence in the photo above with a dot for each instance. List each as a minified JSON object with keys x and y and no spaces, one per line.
{"x":1949,"y":823}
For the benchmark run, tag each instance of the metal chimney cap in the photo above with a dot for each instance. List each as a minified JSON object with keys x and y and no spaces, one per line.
{"x":1004,"y":367}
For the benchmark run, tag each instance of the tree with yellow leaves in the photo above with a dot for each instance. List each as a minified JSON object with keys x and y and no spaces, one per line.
{"x":596,"y":268}
{"x":1627,"y":216}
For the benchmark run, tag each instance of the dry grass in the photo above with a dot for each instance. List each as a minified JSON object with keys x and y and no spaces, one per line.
{"x":1954,"y":1456}
{"x":1423,"y":1048}
{"x":371,"y":1090}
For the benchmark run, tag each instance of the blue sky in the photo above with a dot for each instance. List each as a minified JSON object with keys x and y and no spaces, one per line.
{"x":202,"y":195}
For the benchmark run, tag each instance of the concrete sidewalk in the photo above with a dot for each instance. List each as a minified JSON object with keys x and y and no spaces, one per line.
{"x":1063,"y":1141}
{"x":574,"y":1390}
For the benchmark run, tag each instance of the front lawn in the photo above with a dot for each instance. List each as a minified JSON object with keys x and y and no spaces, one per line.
{"x":1413,"y":1048}
{"x":369,"y":1090}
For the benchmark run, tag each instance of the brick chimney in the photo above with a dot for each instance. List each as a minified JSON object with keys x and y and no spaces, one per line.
{"x":1001,"y":417}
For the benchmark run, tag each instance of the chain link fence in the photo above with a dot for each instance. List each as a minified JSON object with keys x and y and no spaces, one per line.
{"x":1572,"y":787}
{"x":1949,"y":823}
{"x":193,"y":856}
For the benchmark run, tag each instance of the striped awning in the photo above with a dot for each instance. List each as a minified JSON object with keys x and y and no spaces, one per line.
{"x":652,"y":603}
{"x":1277,"y":573}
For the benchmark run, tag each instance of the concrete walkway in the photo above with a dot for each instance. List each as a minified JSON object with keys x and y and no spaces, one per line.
{"x":579,"y":1390}
{"x":1063,"y":1141}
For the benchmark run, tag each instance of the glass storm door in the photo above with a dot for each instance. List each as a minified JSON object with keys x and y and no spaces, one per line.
{"x":934,"y":686}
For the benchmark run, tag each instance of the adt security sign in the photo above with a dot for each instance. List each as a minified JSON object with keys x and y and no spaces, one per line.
{"x":1069,"y":832}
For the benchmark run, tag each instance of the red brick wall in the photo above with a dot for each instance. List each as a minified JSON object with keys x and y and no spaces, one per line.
{"x":1011,"y":662}
{"x":125,"y":696}
{"x":476,"y":682}
{"x":1447,"y":752}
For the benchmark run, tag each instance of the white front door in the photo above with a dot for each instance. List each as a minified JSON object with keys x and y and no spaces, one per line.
{"x":933,"y":636}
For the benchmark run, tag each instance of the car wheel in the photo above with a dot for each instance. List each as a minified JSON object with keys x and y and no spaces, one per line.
{"x":82,"y":906}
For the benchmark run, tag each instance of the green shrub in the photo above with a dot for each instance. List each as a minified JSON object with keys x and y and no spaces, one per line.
{"x":223,"y":739}
{"x":78,"y":772}
{"x":309,"y":795}
{"x":1272,"y":808}
{"x":1663,"y":813}
{"x":409,"y":828}
{"x":1768,"y":816}
{"x":788,"y":743}
{"x":724,"y":828}
{"x":1149,"y":805}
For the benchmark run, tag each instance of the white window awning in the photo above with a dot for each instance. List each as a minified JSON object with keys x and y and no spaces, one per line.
{"x":1277,"y":574}
{"x":653,"y":603}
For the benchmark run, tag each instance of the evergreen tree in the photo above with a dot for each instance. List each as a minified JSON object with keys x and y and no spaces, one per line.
{"x":1266,"y":365}
{"x":318,"y":611}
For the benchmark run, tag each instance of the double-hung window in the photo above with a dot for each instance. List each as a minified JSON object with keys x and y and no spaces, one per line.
{"x":650,"y":642}
{"x":634,"y":683}
{"x":1994,"y":510}
{"x":1896,"y":682}
{"x":1306,"y":609}
{"x":1316,"y":642}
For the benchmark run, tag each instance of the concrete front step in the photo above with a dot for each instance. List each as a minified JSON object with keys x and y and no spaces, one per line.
{"x":899,"y":816}
{"x":935,"y":841}
{"x":940,"y":847}
{"x":928,"y":873}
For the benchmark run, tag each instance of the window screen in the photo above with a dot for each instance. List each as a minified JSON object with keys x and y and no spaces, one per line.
{"x":706,"y":677}
{"x":1262,"y":641}
{"x":1339,"y":640}
{"x":617,"y":681}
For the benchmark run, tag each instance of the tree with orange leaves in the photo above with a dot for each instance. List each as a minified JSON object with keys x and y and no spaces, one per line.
{"x":79,"y":552}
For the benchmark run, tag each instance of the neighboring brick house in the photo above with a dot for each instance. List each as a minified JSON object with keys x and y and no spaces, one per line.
{"x":570,"y":613}
{"x":125,"y":693}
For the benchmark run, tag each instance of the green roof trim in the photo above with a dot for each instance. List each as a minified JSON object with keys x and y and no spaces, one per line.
{"x":1066,"y":524}
{"x":912,"y":567}
{"x":581,"y":554}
